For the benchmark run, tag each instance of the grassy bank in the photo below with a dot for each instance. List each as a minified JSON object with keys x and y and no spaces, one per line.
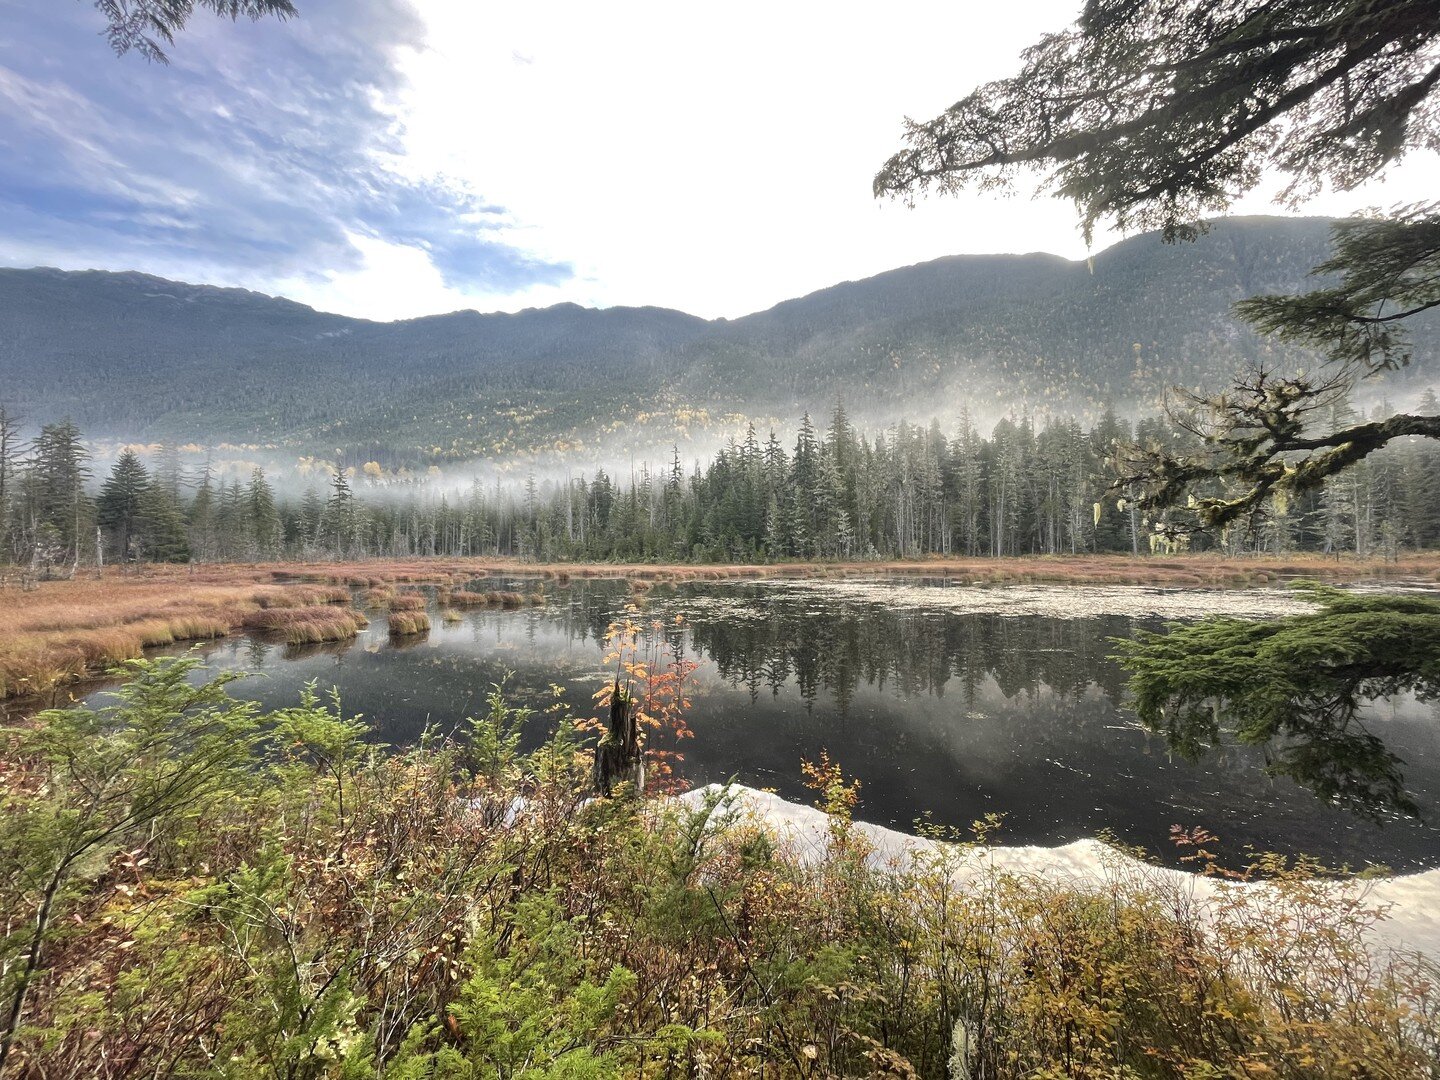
{"x":66,"y":630}
{"x":290,"y":903}
{"x":1178,"y":572}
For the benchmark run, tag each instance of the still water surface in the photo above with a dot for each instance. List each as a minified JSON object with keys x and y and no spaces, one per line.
{"x":939,"y":711}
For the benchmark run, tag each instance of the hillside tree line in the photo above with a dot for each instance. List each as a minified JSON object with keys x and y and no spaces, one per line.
{"x":833,"y":493}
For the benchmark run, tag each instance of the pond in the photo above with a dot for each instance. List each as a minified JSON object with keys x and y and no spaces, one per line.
{"x":946,"y":702}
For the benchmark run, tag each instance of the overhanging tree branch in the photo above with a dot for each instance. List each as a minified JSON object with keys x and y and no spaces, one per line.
{"x":1152,"y":113}
{"x":149,"y":26}
{"x":1196,"y":100}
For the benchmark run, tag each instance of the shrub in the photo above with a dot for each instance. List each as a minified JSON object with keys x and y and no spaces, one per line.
{"x":240,"y":895}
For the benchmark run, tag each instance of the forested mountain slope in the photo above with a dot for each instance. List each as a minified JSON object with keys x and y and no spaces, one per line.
{"x":138,"y":357}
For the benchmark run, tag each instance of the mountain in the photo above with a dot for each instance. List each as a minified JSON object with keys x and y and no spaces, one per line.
{"x":137,"y":357}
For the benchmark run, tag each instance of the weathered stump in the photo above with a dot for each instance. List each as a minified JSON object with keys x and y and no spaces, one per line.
{"x":619,"y":758}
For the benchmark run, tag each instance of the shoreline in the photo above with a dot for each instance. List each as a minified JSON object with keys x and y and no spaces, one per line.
{"x":64,"y":631}
{"x":1410,"y":902}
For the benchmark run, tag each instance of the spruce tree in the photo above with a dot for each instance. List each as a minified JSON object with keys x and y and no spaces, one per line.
{"x":120,"y":508}
{"x":202,"y":518}
{"x":59,"y":466}
{"x":162,"y":527}
{"x":264,"y":519}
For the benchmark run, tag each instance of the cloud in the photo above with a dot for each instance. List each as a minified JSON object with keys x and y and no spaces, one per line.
{"x":395,"y":157}
{"x":263,"y":152}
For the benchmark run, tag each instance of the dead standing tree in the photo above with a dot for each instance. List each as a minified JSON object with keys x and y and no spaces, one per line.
{"x":619,"y":755}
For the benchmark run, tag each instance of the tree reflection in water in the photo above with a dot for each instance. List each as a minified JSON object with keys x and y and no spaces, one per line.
{"x":1299,"y":686}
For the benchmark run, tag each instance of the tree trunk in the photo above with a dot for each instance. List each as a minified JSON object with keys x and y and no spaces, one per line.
{"x":619,"y":758}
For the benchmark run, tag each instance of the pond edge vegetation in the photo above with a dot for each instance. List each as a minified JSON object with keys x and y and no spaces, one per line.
{"x":190,"y":882}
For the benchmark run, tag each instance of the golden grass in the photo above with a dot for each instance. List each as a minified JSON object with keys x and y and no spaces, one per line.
{"x":494,"y":598}
{"x":379,"y":596}
{"x":67,"y":630}
{"x":403,"y":623}
{"x":407,"y":602}
{"x":306,"y":626}
{"x":450,"y":615}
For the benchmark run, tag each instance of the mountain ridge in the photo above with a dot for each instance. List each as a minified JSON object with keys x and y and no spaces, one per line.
{"x":134,"y":356}
{"x":969,"y":257}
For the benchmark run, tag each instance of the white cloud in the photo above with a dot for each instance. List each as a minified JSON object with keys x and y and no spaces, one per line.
{"x":399,"y":281}
{"x":718,"y":159}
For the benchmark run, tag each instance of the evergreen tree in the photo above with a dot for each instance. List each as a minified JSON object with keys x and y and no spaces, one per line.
{"x":58,"y":503}
{"x":202,"y":519}
{"x":231,"y":521}
{"x":338,"y":527}
{"x":162,"y":527}
{"x":149,"y":26}
{"x":312,"y":521}
{"x":264,"y":519}
{"x":169,"y":472}
{"x":120,"y":509}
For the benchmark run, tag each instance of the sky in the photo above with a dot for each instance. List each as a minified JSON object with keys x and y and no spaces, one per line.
{"x":396,"y":158}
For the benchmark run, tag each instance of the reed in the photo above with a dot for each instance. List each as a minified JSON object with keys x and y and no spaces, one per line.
{"x":404,"y":623}
{"x":301,"y":626}
{"x":379,"y":596}
{"x":493,"y":598}
{"x":407,"y":602}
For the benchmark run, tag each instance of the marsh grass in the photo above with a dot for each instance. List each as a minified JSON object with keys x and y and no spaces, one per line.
{"x":379,"y":596}
{"x":404,"y":623}
{"x":310,"y":625}
{"x":493,"y":598}
{"x":301,"y":596}
{"x":66,"y":631}
{"x":465,"y":598}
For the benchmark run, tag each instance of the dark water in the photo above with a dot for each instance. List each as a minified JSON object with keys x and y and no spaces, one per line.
{"x":937,"y":713}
